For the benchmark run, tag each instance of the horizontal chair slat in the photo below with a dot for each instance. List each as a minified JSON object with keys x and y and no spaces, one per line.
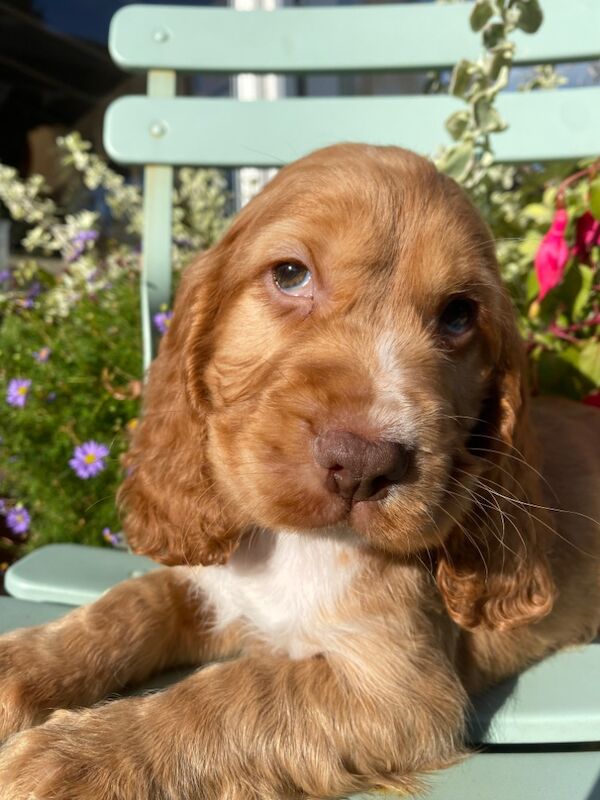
{"x":544,"y":125}
{"x":354,"y":38}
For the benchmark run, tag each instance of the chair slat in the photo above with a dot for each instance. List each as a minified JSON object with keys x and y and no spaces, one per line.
{"x":352,"y":38}
{"x":545,"y":125}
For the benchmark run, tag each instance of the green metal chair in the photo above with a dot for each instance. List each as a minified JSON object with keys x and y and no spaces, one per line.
{"x":539,"y":734}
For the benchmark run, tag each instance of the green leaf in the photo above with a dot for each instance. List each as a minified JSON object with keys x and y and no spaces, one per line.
{"x":494,"y":34}
{"x":500,"y":57}
{"x":561,"y":373}
{"x":488,"y":119}
{"x":459,"y":161}
{"x":482,"y":12}
{"x":539,"y":213}
{"x":595,"y":197}
{"x":531,"y":15}
{"x":583,"y":296}
{"x":533,"y":286}
{"x":529,"y":246}
{"x":457,"y":123}
{"x":589,"y":361}
{"x":461,"y":78}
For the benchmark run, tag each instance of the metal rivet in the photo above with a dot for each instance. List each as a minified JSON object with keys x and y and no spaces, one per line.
{"x":161,"y":35}
{"x":158,"y":129}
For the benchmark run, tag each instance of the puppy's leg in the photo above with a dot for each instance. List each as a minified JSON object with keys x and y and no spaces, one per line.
{"x":138,"y":628}
{"x":259,"y":728}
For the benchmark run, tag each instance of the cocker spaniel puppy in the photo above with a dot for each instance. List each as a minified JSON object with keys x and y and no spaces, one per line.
{"x":337,"y":453}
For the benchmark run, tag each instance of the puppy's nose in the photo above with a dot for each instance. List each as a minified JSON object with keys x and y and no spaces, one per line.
{"x":358,"y":469}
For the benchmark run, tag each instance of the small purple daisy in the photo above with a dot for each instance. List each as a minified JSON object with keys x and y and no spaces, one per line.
{"x":16,"y":393}
{"x":88,"y":459}
{"x":18,"y":519}
{"x":42,"y":355}
{"x":162,"y":320}
{"x":4,"y":275}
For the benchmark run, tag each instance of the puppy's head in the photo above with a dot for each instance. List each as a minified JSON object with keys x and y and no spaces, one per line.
{"x":345,"y":356}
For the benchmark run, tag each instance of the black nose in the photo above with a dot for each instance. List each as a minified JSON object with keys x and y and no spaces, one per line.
{"x":358,"y":469}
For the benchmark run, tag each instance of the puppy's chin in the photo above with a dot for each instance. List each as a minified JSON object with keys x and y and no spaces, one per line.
{"x":371,"y":523}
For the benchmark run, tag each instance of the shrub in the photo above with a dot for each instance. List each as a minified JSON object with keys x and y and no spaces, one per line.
{"x":71,"y":352}
{"x":545,"y":219}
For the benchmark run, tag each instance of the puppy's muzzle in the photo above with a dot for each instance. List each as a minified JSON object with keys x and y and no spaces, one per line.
{"x":358,"y":469}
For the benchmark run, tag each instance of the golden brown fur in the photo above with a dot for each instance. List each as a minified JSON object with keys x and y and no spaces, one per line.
{"x":484,"y":559}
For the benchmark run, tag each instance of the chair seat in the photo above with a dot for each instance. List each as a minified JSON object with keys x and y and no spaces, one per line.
{"x":554,"y":702}
{"x":549,"y":707}
{"x":72,"y":574}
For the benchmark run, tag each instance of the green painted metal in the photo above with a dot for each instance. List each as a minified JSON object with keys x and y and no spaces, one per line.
{"x":23,"y":614}
{"x":512,"y":776}
{"x":156,"y":242}
{"x":72,"y":574}
{"x":557,"y":700}
{"x":354,"y":38}
{"x":542,"y":126}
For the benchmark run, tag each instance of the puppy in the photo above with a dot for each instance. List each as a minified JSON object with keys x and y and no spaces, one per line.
{"x":337,"y":457}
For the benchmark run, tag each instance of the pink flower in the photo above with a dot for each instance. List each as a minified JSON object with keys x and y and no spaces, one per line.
{"x":553,"y":254}
{"x":587,"y":234}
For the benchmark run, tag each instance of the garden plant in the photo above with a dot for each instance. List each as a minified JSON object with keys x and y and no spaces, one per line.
{"x":70,"y":363}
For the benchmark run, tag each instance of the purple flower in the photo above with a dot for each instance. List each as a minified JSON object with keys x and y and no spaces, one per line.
{"x":4,"y":275}
{"x":79,"y":242}
{"x":51,"y":397}
{"x":88,"y":459}
{"x":115,"y":539}
{"x":34,"y":290}
{"x":2,"y":507}
{"x":42,"y":355}
{"x":162,"y":320}
{"x":18,"y":519}
{"x":16,"y":394}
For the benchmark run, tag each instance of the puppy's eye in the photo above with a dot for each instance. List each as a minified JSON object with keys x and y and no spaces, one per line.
{"x":293,"y":279}
{"x":458,"y":316}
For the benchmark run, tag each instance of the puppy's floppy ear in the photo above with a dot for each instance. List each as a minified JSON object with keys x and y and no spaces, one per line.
{"x":493,"y":571}
{"x":173,"y":510}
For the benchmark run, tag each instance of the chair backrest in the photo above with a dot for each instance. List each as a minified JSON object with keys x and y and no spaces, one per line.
{"x":160,"y":130}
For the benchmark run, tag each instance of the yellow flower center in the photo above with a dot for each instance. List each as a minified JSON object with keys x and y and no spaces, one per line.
{"x":22,"y":390}
{"x":90,"y":458}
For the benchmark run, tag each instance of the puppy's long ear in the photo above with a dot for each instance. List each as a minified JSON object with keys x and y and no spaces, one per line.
{"x":493,"y":571}
{"x":172,"y":508}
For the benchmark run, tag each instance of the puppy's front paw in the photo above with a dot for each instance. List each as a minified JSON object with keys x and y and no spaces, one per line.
{"x":54,"y":761}
{"x":20,"y":705}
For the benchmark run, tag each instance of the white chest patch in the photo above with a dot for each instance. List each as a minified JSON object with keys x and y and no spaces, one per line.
{"x":281,"y":586}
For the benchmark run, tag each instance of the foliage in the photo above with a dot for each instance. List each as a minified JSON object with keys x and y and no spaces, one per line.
{"x":561,"y":325}
{"x":70,"y":350}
